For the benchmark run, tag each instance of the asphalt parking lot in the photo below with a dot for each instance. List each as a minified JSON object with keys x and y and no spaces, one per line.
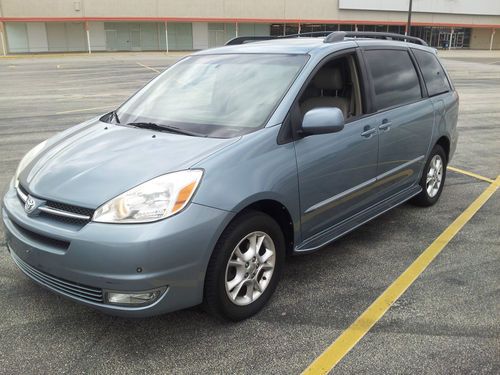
{"x":447,"y":322}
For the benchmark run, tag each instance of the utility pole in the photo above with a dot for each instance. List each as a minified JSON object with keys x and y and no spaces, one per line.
{"x":2,"y":32}
{"x":2,"y":39}
{"x":87,"y":31}
{"x":408,"y":24}
{"x":166,"y":35}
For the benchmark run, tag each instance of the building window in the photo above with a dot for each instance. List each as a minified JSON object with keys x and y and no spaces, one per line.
{"x":347,"y":27}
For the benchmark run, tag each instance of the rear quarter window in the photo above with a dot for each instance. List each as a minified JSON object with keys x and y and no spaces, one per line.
{"x":434,"y":75}
{"x":395,"y":79}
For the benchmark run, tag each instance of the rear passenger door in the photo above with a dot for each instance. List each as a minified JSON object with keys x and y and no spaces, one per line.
{"x":439,"y":90}
{"x":403,"y":116}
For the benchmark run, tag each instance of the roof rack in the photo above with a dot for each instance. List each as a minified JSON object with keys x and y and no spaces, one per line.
{"x":330,"y":37}
{"x":338,"y":36}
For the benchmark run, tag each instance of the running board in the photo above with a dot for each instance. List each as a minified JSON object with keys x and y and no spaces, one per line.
{"x":331,"y":234}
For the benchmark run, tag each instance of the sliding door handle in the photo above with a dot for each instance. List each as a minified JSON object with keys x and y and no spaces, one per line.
{"x":368,"y":132}
{"x":386,"y":125}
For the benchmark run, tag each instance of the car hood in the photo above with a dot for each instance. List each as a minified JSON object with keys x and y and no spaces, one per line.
{"x":89,"y":165}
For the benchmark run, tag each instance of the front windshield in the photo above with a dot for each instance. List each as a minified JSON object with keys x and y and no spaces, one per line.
{"x":215,"y":95}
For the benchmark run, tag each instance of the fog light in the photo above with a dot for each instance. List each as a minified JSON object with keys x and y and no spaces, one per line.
{"x":133,"y":298}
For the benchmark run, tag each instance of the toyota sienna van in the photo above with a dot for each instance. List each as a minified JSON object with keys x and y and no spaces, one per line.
{"x":196,"y":189}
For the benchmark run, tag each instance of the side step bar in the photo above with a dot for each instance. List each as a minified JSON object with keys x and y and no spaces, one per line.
{"x":331,"y":234}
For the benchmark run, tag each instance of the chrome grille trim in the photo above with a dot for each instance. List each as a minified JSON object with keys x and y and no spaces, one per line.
{"x":66,"y":287}
{"x":53,"y":211}
{"x":21,"y":195}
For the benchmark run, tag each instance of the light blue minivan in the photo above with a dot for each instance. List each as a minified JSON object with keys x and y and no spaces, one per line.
{"x":196,"y":189}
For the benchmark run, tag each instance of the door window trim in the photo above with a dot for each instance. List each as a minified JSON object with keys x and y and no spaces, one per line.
{"x":450,"y":84}
{"x":291,"y":125}
{"x":423,"y":91}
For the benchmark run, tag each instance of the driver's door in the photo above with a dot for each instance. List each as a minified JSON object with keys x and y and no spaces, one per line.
{"x":336,"y":174}
{"x":337,"y":171}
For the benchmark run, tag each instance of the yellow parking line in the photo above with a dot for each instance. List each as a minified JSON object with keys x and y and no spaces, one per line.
{"x":83,"y":110}
{"x":471,"y":174}
{"x":351,"y":336}
{"x":148,"y":67}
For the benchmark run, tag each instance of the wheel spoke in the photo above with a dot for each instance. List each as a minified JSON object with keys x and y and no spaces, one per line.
{"x":237,"y":263}
{"x":266,"y":266}
{"x":245,"y":257}
{"x":265,"y":257}
{"x":257,"y":286}
{"x":252,"y":249}
{"x":236,"y":283}
{"x":249,"y":291}
{"x":438,"y":165}
{"x":260,"y":240}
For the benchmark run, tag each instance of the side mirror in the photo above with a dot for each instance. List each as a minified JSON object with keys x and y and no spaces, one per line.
{"x":322,"y":121}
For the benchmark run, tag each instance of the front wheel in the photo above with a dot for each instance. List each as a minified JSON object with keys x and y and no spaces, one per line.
{"x":433,"y":177}
{"x":245,"y":267}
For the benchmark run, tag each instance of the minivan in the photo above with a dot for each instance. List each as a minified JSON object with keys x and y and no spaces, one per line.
{"x":198,"y":187}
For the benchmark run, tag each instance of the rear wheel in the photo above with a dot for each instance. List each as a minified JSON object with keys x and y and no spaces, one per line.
{"x":245,"y":267}
{"x":432,"y":181}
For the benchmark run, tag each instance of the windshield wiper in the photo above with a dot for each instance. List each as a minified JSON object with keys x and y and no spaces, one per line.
{"x":164,"y":128}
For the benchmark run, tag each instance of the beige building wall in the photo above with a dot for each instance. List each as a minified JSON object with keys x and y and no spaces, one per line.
{"x":39,"y":8}
{"x":265,"y":10}
{"x":480,"y":39}
{"x":61,"y":21}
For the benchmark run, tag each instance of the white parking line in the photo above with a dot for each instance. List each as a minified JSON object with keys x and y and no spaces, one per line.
{"x":83,"y":110}
{"x":148,"y":67}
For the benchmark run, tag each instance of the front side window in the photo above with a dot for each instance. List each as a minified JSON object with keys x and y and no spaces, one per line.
{"x":335,"y":84}
{"x":395,"y":79}
{"x":215,"y":95}
{"x":434,"y":76}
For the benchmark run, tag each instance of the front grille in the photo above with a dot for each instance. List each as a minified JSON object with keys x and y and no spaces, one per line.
{"x":69,"y":208}
{"x":63,"y":212}
{"x":63,"y":219}
{"x":69,"y":288}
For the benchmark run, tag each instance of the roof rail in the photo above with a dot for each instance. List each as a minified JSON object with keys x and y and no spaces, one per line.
{"x":247,"y":39}
{"x":338,"y":36}
{"x":306,"y":34}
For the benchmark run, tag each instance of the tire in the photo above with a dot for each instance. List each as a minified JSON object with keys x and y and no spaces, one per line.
{"x":432,"y":189}
{"x":225,"y":296}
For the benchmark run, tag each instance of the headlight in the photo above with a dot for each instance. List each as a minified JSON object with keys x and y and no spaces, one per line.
{"x":153,"y":200}
{"x":28,"y":158}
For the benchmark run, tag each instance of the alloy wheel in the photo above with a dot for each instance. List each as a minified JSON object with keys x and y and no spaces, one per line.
{"x":250,"y":268}
{"x":434,"y":176}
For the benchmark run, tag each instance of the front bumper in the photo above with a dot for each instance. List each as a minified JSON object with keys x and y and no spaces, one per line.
{"x":82,"y":262}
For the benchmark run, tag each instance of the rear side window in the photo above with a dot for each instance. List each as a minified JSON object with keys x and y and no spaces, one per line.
{"x":395,"y":79}
{"x":434,"y":76}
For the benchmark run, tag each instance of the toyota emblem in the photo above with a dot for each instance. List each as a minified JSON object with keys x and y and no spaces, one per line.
{"x":29,"y":205}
